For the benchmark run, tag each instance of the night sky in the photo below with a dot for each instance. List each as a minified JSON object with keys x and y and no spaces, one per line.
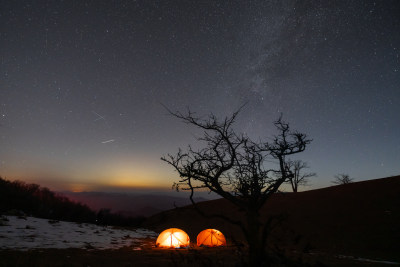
{"x":83,"y":84}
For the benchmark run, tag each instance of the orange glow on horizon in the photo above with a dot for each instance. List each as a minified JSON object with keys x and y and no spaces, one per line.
{"x":110,"y":183}
{"x":78,"y":188}
{"x":115,"y":175}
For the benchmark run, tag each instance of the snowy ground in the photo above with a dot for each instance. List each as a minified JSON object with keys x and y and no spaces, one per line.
{"x":32,"y":233}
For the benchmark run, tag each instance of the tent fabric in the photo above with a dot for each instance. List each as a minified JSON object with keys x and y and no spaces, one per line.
{"x":173,"y":238}
{"x":211,"y":238}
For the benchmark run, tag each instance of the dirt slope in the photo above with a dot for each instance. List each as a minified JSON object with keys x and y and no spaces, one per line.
{"x":359,"y":219}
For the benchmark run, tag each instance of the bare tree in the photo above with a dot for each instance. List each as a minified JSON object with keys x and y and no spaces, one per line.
{"x":342,"y":179}
{"x":237,"y":168}
{"x":298,"y":178}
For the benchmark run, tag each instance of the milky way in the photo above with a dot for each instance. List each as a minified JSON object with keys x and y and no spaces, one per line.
{"x":83,"y":84}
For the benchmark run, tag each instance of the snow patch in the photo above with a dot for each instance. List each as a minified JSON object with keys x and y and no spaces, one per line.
{"x":33,"y":233}
{"x":368,"y":260}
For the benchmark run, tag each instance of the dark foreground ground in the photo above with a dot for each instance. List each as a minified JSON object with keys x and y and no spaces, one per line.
{"x":157,"y":257}
{"x":151,"y":256}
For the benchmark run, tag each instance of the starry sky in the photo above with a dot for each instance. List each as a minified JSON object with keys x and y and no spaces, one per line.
{"x":83,"y":84}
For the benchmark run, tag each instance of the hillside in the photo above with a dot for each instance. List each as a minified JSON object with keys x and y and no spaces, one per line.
{"x":359,"y":219}
{"x":20,"y":198}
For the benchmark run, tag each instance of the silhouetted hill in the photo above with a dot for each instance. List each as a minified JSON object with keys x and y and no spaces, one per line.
{"x":32,"y":199}
{"x":358,"y":219}
{"x":17,"y":197}
{"x":129,"y":204}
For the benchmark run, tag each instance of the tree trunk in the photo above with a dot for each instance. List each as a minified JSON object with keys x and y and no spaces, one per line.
{"x":257,"y":256}
{"x":295,"y":188}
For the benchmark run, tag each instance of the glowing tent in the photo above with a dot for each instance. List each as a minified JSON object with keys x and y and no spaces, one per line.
{"x":173,"y":238}
{"x":211,"y":238}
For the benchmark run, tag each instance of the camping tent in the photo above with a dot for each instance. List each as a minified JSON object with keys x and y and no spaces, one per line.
{"x":173,"y":238}
{"x":211,"y":238}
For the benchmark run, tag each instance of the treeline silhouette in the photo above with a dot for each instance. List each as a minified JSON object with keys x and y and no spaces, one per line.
{"x":17,"y":197}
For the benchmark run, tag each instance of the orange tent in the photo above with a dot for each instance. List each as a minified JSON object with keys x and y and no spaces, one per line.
{"x":211,"y":238}
{"x":173,"y":238}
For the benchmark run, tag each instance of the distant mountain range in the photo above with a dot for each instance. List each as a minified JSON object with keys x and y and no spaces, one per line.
{"x":129,"y":204}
